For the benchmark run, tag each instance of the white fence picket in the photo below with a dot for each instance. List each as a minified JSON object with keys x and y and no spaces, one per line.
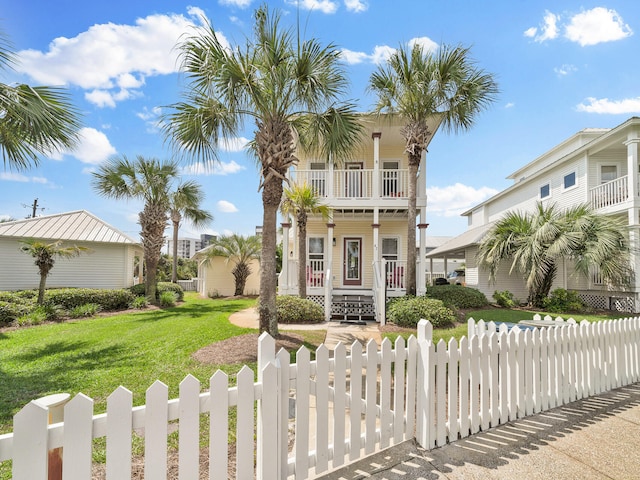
{"x":283,"y":360}
{"x":269,"y":435}
{"x":386,"y":413}
{"x":452,"y":385}
{"x":463,"y":413}
{"x":411,"y":387}
{"x":339,"y":403}
{"x":322,"y":409}
{"x":119,"y":416}
{"x":371,"y":391}
{"x":355,"y":403}
{"x":399,"y":370}
{"x":218,"y":425}
{"x":440,"y":416}
{"x":302,"y":412}
{"x":485,"y":381}
{"x":245,"y":425}
{"x":30,"y":443}
{"x":155,"y":431}
{"x":76,"y":454}
{"x":189,"y":429}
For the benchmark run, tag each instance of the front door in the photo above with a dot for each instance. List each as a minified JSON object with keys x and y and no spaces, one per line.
{"x":352,"y":274}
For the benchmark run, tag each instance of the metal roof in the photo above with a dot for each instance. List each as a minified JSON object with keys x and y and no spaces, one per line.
{"x":79,"y":226}
{"x":470,"y":237}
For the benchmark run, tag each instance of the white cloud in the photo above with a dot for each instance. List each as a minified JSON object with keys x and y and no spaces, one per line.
{"x":18,"y":177}
{"x":452,"y":200}
{"x":589,"y":27}
{"x":381,"y":53}
{"x":235,"y":3}
{"x":227,"y":232}
{"x":548,"y":30}
{"x":565,"y":70}
{"x":325,"y":6}
{"x":356,"y":6}
{"x":236,"y":144}
{"x":213,"y":168}
{"x":226,"y":207}
{"x":151,"y":117}
{"x":510,"y":105}
{"x":112,"y":61}
{"x":597,"y":25}
{"x":613,"y":107}
{"x":353,"y":58}
{"x":94,"y":147}
{"x":428,"y":45}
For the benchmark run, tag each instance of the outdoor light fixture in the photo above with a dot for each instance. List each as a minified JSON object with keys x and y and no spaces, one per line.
{"x":334,"y":241}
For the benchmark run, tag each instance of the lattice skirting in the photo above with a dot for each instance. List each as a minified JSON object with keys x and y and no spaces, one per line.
{"x":319,"y":299}
{"x":618,"y":303}
{"x":365,"y":310}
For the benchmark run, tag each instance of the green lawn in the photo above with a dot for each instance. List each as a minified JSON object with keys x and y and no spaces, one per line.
{"x":94,"y":356}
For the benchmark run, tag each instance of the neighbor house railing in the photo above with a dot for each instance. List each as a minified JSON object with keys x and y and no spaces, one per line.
{"x":610,"y":193}
{"x":347,"y":404}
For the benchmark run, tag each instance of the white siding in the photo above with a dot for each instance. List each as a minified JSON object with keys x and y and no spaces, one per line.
{"x":105,"y":266}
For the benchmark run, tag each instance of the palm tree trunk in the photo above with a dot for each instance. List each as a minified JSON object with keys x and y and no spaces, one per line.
{"x":271,"y":195}
{"x":153,"y":220}
{"x":302,"y":255}
{"x":174,"y":250}
{"x":411,"y":225}
{"x":240,"y":273}
{"x":41,"y":288}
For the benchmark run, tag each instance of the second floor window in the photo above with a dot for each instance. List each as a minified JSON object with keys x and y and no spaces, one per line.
{"x":608,"y":173}
{"x":544,"y":191}
{"x":570,"y":180}
{"x":316,"y":254}
{"x":318,"y":178}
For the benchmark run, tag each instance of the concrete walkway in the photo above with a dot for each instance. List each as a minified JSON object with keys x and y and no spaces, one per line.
{"x":346,"y":333}
{"x":596,"y":438}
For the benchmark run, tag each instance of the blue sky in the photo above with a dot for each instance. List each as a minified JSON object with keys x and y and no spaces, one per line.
{"x":561,"y":67}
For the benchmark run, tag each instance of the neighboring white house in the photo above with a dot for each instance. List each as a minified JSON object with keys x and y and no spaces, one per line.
{"x":599,"y":167}
{"x":110,"y":263}
{"x":358,"y":258}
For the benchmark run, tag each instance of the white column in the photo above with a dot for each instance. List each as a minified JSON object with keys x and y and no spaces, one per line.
{"x":330,"y":179}
{"x":377,"y":254}
{"x":421,"y":283}
{"x":633,"y":144}
{"x":328,"y":288}
{"x":284,"y":275}
{"x":376,"y":165}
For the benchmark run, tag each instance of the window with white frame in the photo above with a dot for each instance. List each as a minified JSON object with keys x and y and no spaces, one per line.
{"x":545,"y":191}
{"x":390,"y":249}
{"x":316,"y":254}
{"x":318,"y":178}
{"x":608,"y":173}
{"x":389,"y":179}
{"x":570,"y":180}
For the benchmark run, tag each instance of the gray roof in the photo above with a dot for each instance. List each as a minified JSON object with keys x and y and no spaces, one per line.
{"x":470,"y":237}
{"x":79,"y":226}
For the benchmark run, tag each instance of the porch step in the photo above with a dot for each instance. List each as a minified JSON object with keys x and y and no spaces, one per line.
{"x":352,"y":307}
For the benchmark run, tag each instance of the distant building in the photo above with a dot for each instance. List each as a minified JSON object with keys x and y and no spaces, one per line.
{"x":187,"y":247}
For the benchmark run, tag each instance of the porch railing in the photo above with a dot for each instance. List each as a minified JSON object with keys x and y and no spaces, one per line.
{"x":315,"y":273}
{"x":610,"y":193}
{"x":355,"y":183}
{"x":396,"y":271}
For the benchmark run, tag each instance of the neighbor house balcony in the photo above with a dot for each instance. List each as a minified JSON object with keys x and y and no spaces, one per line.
{"x":610,"y":194}
{"x":359,"y":184}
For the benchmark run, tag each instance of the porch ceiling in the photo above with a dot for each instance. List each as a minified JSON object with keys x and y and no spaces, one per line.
{"x":355,"y":213}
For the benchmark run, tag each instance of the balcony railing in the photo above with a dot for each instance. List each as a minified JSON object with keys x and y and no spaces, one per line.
{"x":609,"y":194}
{"x":355,"y":183}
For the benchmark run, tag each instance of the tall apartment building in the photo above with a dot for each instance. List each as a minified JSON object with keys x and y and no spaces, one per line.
{"x":187,"y":247}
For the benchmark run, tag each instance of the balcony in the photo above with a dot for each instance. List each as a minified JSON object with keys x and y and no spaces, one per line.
{"x":610,"y":194}
{"x":357,"y":184}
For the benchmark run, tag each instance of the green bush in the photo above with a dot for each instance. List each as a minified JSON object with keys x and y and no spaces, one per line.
{"x":291,"y":309}
{"x":407,"y":311}
{"x":168,"y":299}
{"x":561,"y":301}
{"x":86,"y":310}
{"x":139,"y":302}
{"x":70,"y":298}
{"x":11,"y":311}
{"x":505,"y":299}
{"x":457,"y":296}
{"x":139,"y":290}
{"x":35,"y":317}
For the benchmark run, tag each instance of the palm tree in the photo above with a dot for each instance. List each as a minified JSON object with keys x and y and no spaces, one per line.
{"x":417,"y":86}
{"x":184,"y":202}
{"x":290,"y":88}
{"x":301,"y":201}
{"x":45,"y":257}
{"x":534,"y":243}
{"x":237,"y":249}
{"x":33,"y":120}
{"x":148,"y":180}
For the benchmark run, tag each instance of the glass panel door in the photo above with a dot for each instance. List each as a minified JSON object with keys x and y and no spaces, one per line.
{"x":352,"y":261}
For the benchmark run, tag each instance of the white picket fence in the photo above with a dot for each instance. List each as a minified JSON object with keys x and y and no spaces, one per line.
{"x":346,"y":405}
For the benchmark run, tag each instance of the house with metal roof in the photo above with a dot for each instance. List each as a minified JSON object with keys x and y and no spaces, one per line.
{"x":114,"y":259}
{"x":596,"y":166}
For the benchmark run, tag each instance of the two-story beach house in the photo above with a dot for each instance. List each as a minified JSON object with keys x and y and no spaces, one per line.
{"x":357,"y":259}
{"x":596,"y":166}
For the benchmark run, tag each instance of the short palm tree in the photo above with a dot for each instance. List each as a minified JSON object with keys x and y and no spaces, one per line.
{"x":33,"y":120}
{"x":148,"y":180}
{"x":185,"y":202}
{"x":290,"y":89}
{"x":417,"y":86}
{"x":45,"y":257}
{"x":239,"y":250}
{"x":302,"y":201}
{"x":534,"y":243}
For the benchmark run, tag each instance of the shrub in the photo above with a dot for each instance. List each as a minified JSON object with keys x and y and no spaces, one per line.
{"x":407,"y":311}
{"x":291,"y":309}
{"x":39,"y":314}
{"x":505,"y":299}
{"x":139,"y":302}
{"x":457,"y":296}
{"x":70,"y":298}
{"x":561,"y":300}
{"x":11,"y":311}
{"x":139,"y":290}
{"x":168,"y":299}
{"x":86,"y":310}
